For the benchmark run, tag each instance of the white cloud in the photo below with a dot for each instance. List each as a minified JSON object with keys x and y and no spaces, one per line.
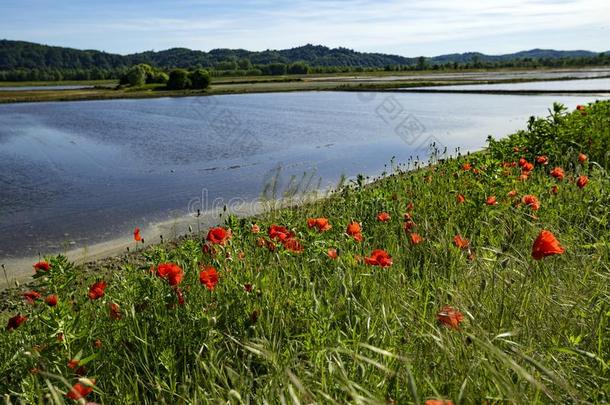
{"x":394,"y":26}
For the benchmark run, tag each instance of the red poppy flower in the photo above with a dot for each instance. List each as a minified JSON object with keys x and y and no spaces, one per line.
{"x":546,"y":245}
{"x":80,"y":390}
{"x":31,"y":296}
{"x":531,"y":201}
{"x":218,"y":235}
{"x":293,"y":245}
{"x":580,"y":107}
{"x":51,"y":300}
{"x":527,"y":167}
{"x":558,"y":173}
{"x":416,"y":238}
{"x":115,"y":311}
{"x":408,"y":225}
{"x":512,"y":193}
{"x":321,"y":224}
{"x":42,"y":266}
{"x":582,"y":181}
{"x":96,"y":290}
{"x":438,"y":402}
{"x":248,"y":287}
{"x":410,"y":206}
{"x":383,"y":217}
{"x":208,"y":277}
{"x":136,"y":235}
{"x":255,"y":228}
{"x":354,"y":230}
{"x":97,"y":343}
{"x":555,"y":189}
{"x":379,"y":257}
{"x":466,"y":167}
{"x":450,"y":317}
{"x":582,"y":158}
{"x":460,"y":198}
{"x":72,"y":364}
{"x":522,"y":162}
{"x":279,"y":232}
{"x":332,"y":253}
{"x":542,"y":160}
{"x":171,"y":272}
{"x":460,"y":242}
{"x":491,"y":200}
{"x":16,"y":321}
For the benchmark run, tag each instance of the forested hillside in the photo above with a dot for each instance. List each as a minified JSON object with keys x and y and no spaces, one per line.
{"x":29,"y":61}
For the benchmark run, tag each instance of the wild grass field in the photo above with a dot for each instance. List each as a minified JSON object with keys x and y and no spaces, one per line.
{"x":477,"y":279}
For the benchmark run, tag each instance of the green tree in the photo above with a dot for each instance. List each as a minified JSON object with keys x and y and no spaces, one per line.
{"x":200,"y":79}
{"x":135,"y":76}
{"x":245,"y":64}
{"x":422,"y":64}
{"x":277,"y":69}
{"x":159,"y":77}
{"x":299,"y":68}
{"x":226,"y":65}
{"x":178,"y":80}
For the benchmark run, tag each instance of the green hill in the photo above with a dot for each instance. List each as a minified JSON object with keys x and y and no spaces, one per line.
{"x":27,"y":55}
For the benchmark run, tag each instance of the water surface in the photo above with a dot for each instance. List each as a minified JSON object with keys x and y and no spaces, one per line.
{"x":556,"y":85}
{"x":536,"y":74}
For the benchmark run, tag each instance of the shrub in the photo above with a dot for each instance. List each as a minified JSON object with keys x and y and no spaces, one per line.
{"x":299,"y":68}
{"x":178,"y":80}
{"x":200,"y":79}
{"x":158,"y":77}
{"x":135,"y":76}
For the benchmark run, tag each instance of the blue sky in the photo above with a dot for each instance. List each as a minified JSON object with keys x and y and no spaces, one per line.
{"x":410,"y":28}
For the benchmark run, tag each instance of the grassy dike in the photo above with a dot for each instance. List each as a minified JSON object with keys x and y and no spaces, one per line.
{"x":457,"y":306}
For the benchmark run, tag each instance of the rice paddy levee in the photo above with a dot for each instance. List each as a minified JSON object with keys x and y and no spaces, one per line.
{"x":482,"y":277}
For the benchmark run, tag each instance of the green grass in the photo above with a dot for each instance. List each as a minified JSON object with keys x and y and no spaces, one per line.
{"x":61,"y":83}
{"x":314,"y":329}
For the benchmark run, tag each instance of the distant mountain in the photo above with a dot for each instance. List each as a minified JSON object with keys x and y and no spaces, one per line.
{"x":531,"y":54}
{"x":314,"y":55}
{"x":20,"y":54}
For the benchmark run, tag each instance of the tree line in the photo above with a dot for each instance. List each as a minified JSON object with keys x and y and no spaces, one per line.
{"x":244,"y":67}
{"x":177,"y":79}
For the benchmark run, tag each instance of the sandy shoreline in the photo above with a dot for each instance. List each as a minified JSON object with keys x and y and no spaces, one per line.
{"x":18,"y":271}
